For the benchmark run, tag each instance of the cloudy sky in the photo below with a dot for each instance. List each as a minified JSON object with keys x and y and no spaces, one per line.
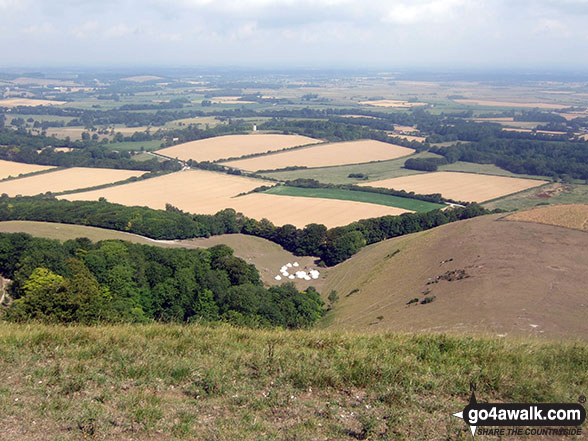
{"x":547,"y":34}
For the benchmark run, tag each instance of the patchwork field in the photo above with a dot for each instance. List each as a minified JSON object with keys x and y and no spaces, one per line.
{"x":391,"y":103}
{"x":468,"y":187}
{"x":340,"y":153}
{"x":234,"y":146}
{"x":492,"y":103}
{"x":65,"y":180}
{"x":14,"y":102}
{"x":203,"y":192}
{"x":13,"y":169}
{"x":573,"y":216}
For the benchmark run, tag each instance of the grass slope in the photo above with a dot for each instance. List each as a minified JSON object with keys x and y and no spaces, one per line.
{"x":488,"y":276}
{"x":268,"y":257}
{"x":357,"y":196}
{"x":170,"y":382}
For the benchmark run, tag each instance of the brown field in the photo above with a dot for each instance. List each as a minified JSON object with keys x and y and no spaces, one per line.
{"x":229,"y":100}
{"x":492,"y":103}
{"x":391,"y":103}
{"x":573,"y":216}
{"x":13,"y":102}
{"x":468,"y":187}
{"x":522,"y":279}
{"x":570,"y":116}
{"x":340,"y":153}
{"x":516,"y":129}
{"x":204,"y":192}
{"x":13,"y":169}
{"x":65,"y":180}
{"x":412,"y":137}
{"x":234,"y":146}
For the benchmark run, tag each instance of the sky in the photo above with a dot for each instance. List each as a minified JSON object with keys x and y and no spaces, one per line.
{"x":484,"y":34}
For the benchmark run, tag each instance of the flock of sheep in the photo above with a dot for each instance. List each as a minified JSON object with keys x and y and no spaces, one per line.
{"x":292,"y":267}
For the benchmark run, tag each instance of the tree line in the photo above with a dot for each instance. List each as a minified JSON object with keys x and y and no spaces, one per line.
{"x":114,"y":281}
{"x":332,"y":246}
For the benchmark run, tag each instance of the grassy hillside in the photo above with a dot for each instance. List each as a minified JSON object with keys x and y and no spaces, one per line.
{"x":267,"y":256}
{"x":485,"y":276}
{"x":166,"y":382}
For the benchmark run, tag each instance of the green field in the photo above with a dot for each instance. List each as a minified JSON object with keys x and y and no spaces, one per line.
{"x":357,"y":196}
{"x":340,"y":175}
{"x":569,"y":194}
{"x":135,"y":146}
{"x":167,"y":382}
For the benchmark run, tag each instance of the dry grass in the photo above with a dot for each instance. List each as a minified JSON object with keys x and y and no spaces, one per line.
{"x":341,"y":153}
{"x":13,"y":169}
{"x":522,"y":279}
{"x":14,"y":102}
{"x":468,"y":187}
{"x":65,"y":180}
{"x":234,"y":146}
{"x":204,"y":192}
{"x":391,"y":103}
{"x":570,"y":216}
{"x":493,"y":103}
{"x":173,"y":382}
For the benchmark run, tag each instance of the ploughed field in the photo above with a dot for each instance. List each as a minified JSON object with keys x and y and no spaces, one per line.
{"x":340,"y":153}
{"x":13,"y":169}
{"x":468,"y":187}
{"x":65,"y":180}
{"x":234,"y":146}
{"x":204,"y":192}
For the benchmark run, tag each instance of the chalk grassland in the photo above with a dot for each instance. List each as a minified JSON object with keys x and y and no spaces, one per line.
{"x":391,"y":103}
{"x":165,"y":382}
{"x":552,"y":194}
{"x":234,"y":146}
{"x":340,"y":153}
{"x":488,"y":276}
{"x":13,"y":169}
{"x":467,"y":187}
{"x":527,"y":105}
{"x":203,"y":192}
{"x":570,"y":216}
{"x":268,"y":257}
{"x":358,"y":196}
{"x":65,"y":180}
{"x":14,"y":102}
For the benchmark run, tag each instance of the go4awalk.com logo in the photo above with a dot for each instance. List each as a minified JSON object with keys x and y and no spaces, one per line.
{"x":523,"y":419}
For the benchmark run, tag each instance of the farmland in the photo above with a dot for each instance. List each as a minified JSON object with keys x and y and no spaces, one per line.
{"x":353,"y":152}
{"x":65,"y":180}
{"x":528,"y":105}
{"x":14,"y":102}
{"x":203,"y":192}
{"x":13,"y":169}
{"x":392,"y":103}
{"x":573,"y":216}
{"x":358,"y":196}
{"x":459,"y":186}
{"x":233,"y":146}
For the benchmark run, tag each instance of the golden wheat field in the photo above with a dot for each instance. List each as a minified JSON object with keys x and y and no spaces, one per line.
{"x":65,"y":180}
{"x":469,"y":187}
{"x":205,"y":192}
{"x":14,"y":102}
{"x":573,"y":216}
{"x":234,"y":146}
{"x":13,"y":169}
{"x":340,"y":153}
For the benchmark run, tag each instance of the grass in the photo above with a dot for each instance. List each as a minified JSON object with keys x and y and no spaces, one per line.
{"x":197,"y":382}
{"x":135,"y":146}
{"x":340,"y":175}
{"x":485,"y":169}
{"x":357,"y":196}
{"x":565,"y":194}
